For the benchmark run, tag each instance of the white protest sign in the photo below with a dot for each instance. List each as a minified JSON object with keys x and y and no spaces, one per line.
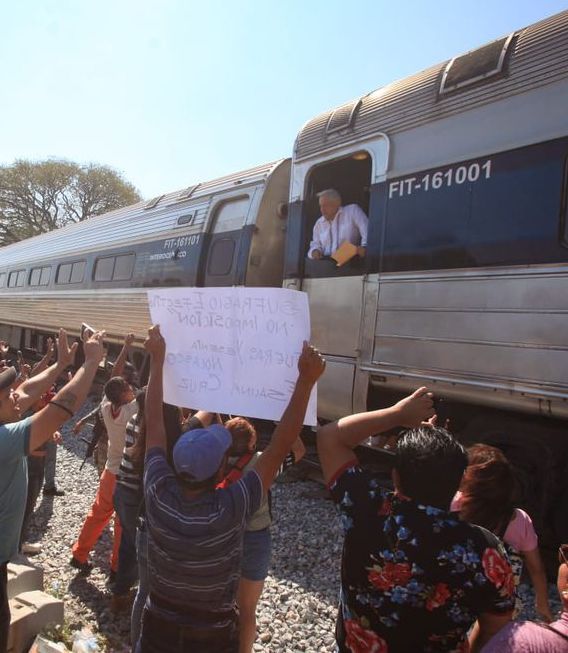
{"x":232,"y":350}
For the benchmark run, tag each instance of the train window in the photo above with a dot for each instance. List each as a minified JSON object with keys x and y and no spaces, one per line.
{"x":17,"y":279}
{"x":77,"y":272}
{"x":221,"y":257}
{"x":231,"y":215}
{"x":64,"y":273}
{"x":40,"y":276}
{"x":71,"y":272}
{"x":45,"y":276}
{"x":124,"y":267}
{"x":2,"y":279}
{"x":476,"y":66}
{"x":186,"y":219}
{"x":104,"y":268}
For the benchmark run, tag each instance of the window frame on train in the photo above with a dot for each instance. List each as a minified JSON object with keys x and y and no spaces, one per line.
{"x":43,"y":276}
{"x":19,"y":277}
{"x":111,"y":261}
{"x":72,"y":277}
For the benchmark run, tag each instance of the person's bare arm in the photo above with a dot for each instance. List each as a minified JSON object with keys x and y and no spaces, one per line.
{"x":31,"y":390}
{"x":535,"y":569}
{"x":298,"y":449}
{"x":120,"y":362}
{"x":155,"y":345}
{"x":337,"y":440}
{"x":310,"y":366}
{"x":485,"y":627}
{"x":43,"y":364}
{"x":69,"y":398}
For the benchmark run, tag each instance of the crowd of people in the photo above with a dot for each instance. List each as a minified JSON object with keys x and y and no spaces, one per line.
{"x":431,"y":564}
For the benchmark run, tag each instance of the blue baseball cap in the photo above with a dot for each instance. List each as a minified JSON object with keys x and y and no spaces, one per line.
{"x":198,"y":453}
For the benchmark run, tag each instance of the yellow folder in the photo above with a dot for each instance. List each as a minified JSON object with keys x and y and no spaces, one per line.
{"x":345,"y":252}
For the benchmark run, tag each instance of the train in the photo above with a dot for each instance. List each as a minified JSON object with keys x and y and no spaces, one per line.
{"x":462,"y":170}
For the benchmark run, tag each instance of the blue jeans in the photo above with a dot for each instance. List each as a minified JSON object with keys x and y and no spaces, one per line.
{"x":127,"y":505}
{"x":143,"y":587}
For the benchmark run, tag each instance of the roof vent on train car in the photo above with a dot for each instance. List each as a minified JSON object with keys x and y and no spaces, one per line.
{"x":150,"y":204}
{"x":342,"y":117}
{"x":476,"y":66}
{"x":188,"y":192}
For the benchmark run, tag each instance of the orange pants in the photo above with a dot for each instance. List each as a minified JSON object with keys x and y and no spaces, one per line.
{"x":99,"y":516}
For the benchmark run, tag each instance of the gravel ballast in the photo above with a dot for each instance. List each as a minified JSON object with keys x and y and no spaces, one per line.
{"x":297,"y":608}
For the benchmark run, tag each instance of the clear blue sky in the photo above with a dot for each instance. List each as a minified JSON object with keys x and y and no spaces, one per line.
{"x":171,"y":92}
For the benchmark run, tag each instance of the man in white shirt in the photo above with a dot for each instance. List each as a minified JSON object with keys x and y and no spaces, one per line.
{"x":117,"y":409}
{"x":337,"y":225}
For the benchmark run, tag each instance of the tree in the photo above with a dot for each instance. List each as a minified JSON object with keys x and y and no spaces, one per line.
{"x":36,"y":197}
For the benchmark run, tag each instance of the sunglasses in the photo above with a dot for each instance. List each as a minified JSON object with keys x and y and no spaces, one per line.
{"x":563,"y":554}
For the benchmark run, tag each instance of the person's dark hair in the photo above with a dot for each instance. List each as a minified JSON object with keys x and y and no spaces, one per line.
{"x":488,"y":489}
{"x":115,"y":388}
{"x":241,"y":431}
{"x":430,"y":463}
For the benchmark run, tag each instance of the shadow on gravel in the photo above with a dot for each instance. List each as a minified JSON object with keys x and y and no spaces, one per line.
{"x":41,"y":517}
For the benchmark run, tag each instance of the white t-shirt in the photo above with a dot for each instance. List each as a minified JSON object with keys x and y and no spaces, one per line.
{"x":116,"y":428}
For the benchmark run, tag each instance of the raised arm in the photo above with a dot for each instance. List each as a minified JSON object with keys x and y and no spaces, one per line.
{"x":31,"y":390}
{"x":70,"y":397}
{"x":43,"y":364}
{"x":155,"y":345}
{"x":337,"y":440}
{"x":310,"y":367}
{"x":120,"y":362}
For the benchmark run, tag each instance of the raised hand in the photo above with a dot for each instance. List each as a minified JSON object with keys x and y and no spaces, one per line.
{"x":155,"y":344}
{"x":129,"y":339}
{"x":416,"y":408}
{"x":50,"y":349}
{"x":93,"y":347}
{"x":311,"y":364}
{"x":65,"y":353}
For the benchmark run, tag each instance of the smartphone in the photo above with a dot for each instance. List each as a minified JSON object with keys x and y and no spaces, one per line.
{"x":86,"y":331}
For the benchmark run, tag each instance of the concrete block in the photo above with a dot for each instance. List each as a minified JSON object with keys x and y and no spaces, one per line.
{"x":30,"y":613}
{"x":23,"y":578}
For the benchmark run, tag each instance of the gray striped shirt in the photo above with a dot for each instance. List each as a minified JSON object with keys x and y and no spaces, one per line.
{"x":195,"y":545}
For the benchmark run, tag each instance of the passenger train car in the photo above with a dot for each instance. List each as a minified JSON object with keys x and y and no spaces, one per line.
{"x":462,"y":170}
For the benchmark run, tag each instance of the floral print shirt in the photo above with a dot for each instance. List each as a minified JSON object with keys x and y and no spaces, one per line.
{"x":413,"y":577}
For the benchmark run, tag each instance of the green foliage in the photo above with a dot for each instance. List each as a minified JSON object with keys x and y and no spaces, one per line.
{"x":36,"y":197}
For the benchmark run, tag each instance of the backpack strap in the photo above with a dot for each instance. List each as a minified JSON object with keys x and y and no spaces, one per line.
{"x":236,"y":471}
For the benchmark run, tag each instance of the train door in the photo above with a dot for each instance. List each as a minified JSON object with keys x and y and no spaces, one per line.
{"x":227,"y":243}
{"x":335,"y":292}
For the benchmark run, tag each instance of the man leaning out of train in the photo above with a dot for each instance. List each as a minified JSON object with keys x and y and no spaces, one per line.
{"x":20,"y":437}
{"x":194,"y":547}
{"x":413,"y":577}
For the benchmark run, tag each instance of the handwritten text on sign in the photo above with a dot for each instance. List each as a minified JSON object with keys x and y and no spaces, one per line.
{"x":232,"y":350}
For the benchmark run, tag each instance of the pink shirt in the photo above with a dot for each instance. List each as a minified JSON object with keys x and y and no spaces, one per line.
{"x":520,"y":533}
{"x":529,"y":637}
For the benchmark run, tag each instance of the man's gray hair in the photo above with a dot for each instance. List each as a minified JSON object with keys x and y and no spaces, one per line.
{"x":331,"y":194}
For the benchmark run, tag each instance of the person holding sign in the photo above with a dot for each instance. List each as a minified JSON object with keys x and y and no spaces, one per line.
{"x":195,"y":530}
{"x":336,"y":226}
